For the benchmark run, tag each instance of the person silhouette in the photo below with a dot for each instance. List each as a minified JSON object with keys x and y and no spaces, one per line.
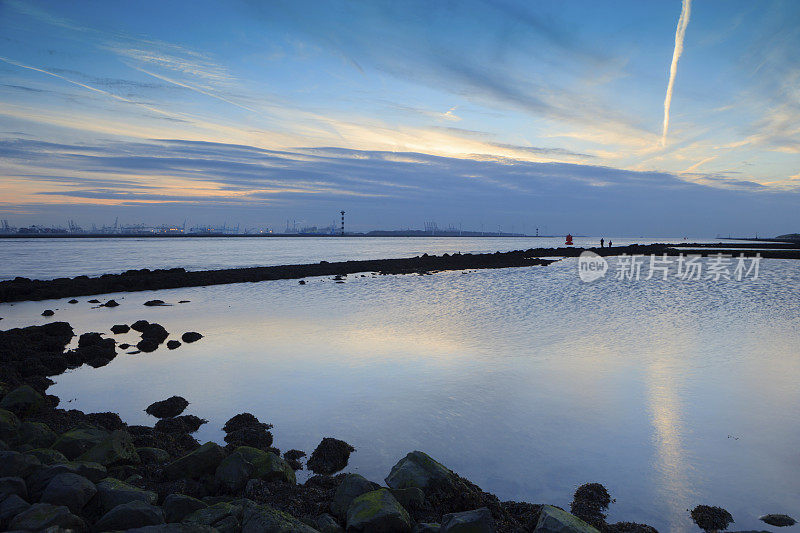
{"x":609,"y":244}
{"x":601,"y":242}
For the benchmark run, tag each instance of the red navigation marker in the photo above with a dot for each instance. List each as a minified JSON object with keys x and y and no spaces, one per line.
{"x":569,"y":239}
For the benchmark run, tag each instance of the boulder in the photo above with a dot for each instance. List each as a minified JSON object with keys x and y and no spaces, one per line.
{"x":267,"y":466}
{"x":197,"y":463}
{"x":150,"y":455}
{"x":410,"y":498}
{"x":233,"y":472}
{"x":330,"y":456}
{"x":179,"y":506}
{"x":13,"y":485}
{"x":174,"y":528}
{"x":48,"y":456}
{"x":180,"y":424}
{"x":172,"y":406}
{"x":154,"y":303}
{"x":120,"y":328}
{"x":113,"y":492}
{"x":36,"y":435}
{"x":243,"y":420}
{"x":477,"y":521}
{"x":23,"y":401}
{"x":94,"y":472}
{"x":710,"y":518}
{"x":111,"y":303}
{"x":222,"y":516}
{"x":9,"y":425}
{"x":77,"y":441}
{"x":41,"y":516}
{"x":140,"y":325}
{"x":48,"y":312}
{"x":351,"y":487}
{"x":15,"y":464}
{"x":171,"y":345}
{"x":379,"y":512}
{"x":191,"y":336}
{"x":778,"y":520}
{"x":11,"y":507}
{"x":71,"y":490}
{"x":89,"y":339}
{"x":73,"y":301}
{"x":253,"y":436}
{"x":427,"y":527}
{"x":116,"y":449}
{"x":554,"y":520}
{"x":93,"y":301}
{"x":155,"y":332}
{"x":325,"y":523}
{"x":418,"y":469}
{"x":130,"y":515}
{"x":260,"y":518}
{"x":147,"y":345}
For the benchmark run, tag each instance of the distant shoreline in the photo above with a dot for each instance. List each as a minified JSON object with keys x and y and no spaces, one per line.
{"x":264,"y":235}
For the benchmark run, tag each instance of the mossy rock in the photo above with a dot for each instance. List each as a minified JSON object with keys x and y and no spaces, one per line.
{"x":351,"y":487}
{"x":36,"y":434}
{"x":259,"y":518}
{"x":214,"y":514}
{"x":150,"y":455}
{"x":9,"y":425}
{"x":554,"y":520}
{"x":116,"y":449}
{"x":379,"y":512}
{"x":179,"y":506}
{"x":48,"y":456}
{"x":77,"y":441}
{"x":267,"y":465}
{"x":23,"y":401}
{"x":42,"y":516}
{"x":418,"y":469}
{"x":112,"y":492}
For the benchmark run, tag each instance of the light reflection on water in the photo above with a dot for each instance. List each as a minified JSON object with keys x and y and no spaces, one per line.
{"x":526,"y":381}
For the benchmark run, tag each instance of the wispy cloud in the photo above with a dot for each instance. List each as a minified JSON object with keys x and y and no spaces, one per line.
{"x":680,"y":33}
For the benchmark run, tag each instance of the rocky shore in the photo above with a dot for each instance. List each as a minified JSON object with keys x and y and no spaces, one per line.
{"x":21,"y":289}
{"x":68,"y":470}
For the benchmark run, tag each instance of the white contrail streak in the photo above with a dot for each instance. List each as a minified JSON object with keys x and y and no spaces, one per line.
{"x":683,"y":21}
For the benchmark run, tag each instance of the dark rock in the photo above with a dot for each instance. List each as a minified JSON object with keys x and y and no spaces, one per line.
{"x":179,"y":506}
{"x":196,"y":464}
{"x":130,"y":515}
{"x":254,"y":436}
{"x":325,"y":523}
{"x":410,"y":498}
{"x":48,"y":456}
{"x":778,"y":520}
{"x":243,"y":420}
{"x":590,"y":503}
{"x":147,"y":345}
{"x":36,"y":435}
{"x":351,"y":487}
{"x":112,"y":492}
{"x":77,"y":441}
{"x":11,"y":507}
{"x":116,"y":449}
{"x":246,"y":462}
{"x":23,"y":401}
{"x":301,"y":282}
{"x":191,"y":336}
{"x":184,"y":301}
{"x":554,"y":520}
{"x":13,"y":485}
{"x":111,"y":303}
{"x":428,"y":527}
{"x":417,"y":469}
{"x":89,"y":339}
{"x":41,"y":516}
{"x":260,"y":518}
{"x":180,"y":424}
{"x":93,"y":301}
{"x":120,"y":328}
{"x":710,"y":518}
{"x":330,"y":456}
{"x":15,"y":464}
{"x":379,"y":512}
{"x":73,"y":301}
{"x":48,"y":312}
{"x":150,"y":455}
{"x":223,"y":516}
{"x":69,"y":489}
{"x":9,"y":425}
{"x":477,"y":521}
{"x":173,"y":344}
{"x":140,"y":325}
{"x":124,"y":346}
{"x":630,"y":527}
{"x":154,"y":303}
{"x":172,"y":406}
{"x":293,"y":458}
{"x":155,"y":332}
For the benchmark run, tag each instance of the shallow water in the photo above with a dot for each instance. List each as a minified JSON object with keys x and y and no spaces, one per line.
{"x":54,"y":258}
{"x":526,"y":381}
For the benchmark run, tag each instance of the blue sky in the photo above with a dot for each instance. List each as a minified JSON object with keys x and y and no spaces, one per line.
{"x":522,"y":114}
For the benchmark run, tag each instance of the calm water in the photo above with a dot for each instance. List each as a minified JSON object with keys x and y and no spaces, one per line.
{"x":53,"y":258}
{"x":527,"y":381}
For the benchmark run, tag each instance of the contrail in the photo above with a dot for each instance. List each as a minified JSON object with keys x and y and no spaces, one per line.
{"x":683,"y":21}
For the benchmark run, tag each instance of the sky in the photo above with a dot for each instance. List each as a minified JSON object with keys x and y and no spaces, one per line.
{"x":473,"y":113}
